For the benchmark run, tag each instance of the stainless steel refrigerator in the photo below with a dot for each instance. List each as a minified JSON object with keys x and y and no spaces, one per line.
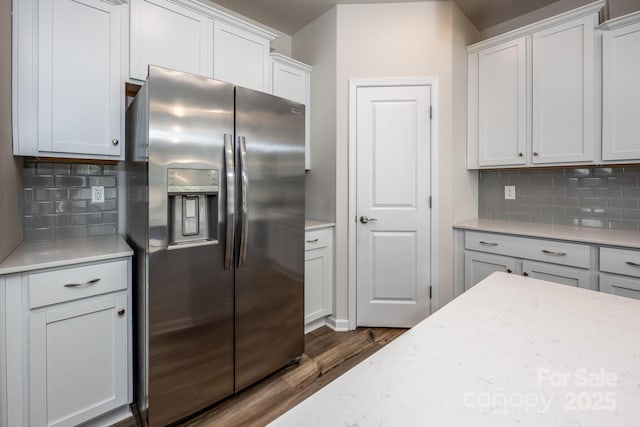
{"x":215,"y":214}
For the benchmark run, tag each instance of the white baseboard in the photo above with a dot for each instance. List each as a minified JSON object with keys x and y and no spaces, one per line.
{"x":110,"y":418}
{"x":338,"y":325}
{"x":315,"y":324}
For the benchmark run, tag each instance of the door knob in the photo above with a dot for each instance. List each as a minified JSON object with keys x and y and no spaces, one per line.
{"x":365,"y":219}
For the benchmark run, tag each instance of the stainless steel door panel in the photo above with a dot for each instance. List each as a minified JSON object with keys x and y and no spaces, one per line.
{"x":269,"y":286}
{"x":190,"y":296}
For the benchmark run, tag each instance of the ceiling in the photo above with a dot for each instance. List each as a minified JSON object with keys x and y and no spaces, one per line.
{"x":289,"y":16}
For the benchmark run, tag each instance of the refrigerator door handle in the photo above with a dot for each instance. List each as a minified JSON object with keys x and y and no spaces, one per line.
{"x":244,"y":178}
{"x":231,"y":200}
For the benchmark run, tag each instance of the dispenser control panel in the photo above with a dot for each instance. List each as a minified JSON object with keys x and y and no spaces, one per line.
{"x":180,"y":181}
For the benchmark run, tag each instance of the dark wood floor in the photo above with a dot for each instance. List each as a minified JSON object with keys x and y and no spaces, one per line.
{"x":328,"y":355}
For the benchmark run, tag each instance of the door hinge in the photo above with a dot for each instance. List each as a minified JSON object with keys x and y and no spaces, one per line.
{"x":430,"y":292}
{"x":430,"y":198}
{"x":431,"y":111}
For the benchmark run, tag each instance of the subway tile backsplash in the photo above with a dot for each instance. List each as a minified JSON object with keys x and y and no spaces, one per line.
{"x":57,"y":200}
{"x":602,"y":197}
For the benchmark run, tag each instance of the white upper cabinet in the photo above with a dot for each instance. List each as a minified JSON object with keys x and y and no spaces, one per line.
{"x":190,"y":36}
{"x":241,"y":56}
{"x":532,"y":94}
{"x":68,"y":90}
{"x":563,"y":92}
{"x":169,"y":35}
{"x":292,"y":80}
{"x":502,"y":104}
{"x":621,"y":89}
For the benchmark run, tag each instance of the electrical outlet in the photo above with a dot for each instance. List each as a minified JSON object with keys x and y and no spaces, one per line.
{"x":510,"y":192}
{"x":97,"y":194}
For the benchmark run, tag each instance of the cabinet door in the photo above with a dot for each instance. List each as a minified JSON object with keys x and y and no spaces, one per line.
{"x":502,"y":104}
{"x":78,"y":360}
{"x":621,"y":92}
{"x":240,"y":57}
{"x":166,"y":34}
{"x":563,"y":93}
{"x":294,"y":83}
{"x":318,"y":280}
{"x":478,"y":266}
{"x":571,"y":276}
{"x":619,"y":285}
{"x":80,"y":94}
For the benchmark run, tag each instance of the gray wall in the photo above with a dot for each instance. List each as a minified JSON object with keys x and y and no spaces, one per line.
{"x":602,"y":197}
{"x":316,"y":44}
{"x":10,"y":174}
{"x":57,"y":200}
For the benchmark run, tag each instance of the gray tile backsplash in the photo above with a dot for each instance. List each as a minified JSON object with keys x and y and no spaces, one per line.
{"x":603,"y":197}
{"x":57,"y":200}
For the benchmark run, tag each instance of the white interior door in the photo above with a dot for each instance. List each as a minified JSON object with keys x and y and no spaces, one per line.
{"x":392,"y":190}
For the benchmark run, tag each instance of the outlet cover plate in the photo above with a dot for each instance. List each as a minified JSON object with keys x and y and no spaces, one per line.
{"x":97,"y":194}
{"x":510,"y":192}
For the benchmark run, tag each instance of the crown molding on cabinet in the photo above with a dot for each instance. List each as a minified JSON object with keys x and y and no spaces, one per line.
{"x":621,"y":21}
{"x":219,"y":15}
{"x":288,"y":60}
{"x":539,"y":26}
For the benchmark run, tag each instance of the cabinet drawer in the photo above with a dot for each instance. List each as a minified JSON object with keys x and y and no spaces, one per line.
{"x":621,"y":286}
{"x":315,"y":239}
{"x":551,"y":251}
{"x":621,"y":261}
{"x":66,"y":284}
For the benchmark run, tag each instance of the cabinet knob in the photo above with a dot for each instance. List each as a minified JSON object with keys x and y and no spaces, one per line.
{"x":520,"y":155}
{"x":535,"y":153}
{"x":509,"y":270}
{"x":121,"y":312}
{"x":115,"y":141}
{"x":525,"y":274}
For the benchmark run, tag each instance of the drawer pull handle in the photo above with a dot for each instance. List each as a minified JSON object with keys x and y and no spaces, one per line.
{"x":633,"y":264}
{"x":488,"y":243}
{"x":312,"y":241}
{"x":553,"y":253}
{"x":82,"y":285}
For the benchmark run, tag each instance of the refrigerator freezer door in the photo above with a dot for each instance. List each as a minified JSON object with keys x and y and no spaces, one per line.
{"x":190,"y":295}
{"x":269,"y":278}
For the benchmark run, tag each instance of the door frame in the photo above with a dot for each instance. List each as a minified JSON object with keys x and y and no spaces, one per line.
{"x":354,"y":85}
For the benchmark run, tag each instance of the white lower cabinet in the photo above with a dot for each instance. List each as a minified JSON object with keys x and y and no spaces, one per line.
{"x":551,"y":260}
{"x":67,"y":359}
{"x":620,"y":272}
{"x":478,"y":266}
{"x":563,"y":274}
{"x":78,"y":360}
{"x":318,"y":277}
{"x":620,"y":285}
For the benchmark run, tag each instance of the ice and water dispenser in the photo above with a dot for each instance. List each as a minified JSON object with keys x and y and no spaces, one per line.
{"x":193,"y":206}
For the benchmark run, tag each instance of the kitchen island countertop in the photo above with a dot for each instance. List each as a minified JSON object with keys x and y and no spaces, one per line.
{"x":510,"y":351}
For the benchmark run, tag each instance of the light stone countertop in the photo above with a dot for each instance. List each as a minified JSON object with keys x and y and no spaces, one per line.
{"x":598,"y":236}
{"x":314,"y":224}
{"x":58,"y":253}
{"x":510,"y":351}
